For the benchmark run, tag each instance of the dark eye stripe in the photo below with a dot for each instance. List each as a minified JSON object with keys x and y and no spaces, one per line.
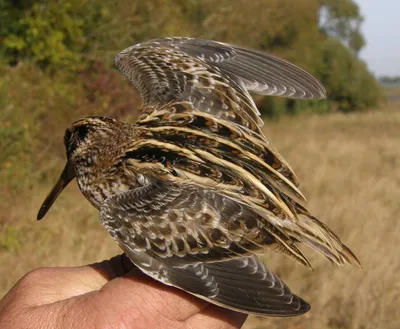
{"x":74,"y":136}
{"x":81,"y":132}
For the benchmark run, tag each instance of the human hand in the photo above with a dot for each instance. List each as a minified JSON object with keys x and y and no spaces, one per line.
{"x":110,"y":294}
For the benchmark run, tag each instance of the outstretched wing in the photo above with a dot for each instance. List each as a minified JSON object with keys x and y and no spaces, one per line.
{"x":212,"y":77}
{"x":258,"y":71}
{"x":201,"y":242}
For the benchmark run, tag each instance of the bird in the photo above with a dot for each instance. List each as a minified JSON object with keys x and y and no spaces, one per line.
{"x":193,"y":192}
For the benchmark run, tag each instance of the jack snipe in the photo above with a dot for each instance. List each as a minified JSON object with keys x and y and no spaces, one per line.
{"x":193,"y":192}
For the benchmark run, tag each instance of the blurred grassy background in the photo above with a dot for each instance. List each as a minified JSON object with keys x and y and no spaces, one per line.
{"x":55,"y":67}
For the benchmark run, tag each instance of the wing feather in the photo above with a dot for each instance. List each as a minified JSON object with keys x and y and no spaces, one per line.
{"x":243,"y":284}
{"x":213,"y":77}
{"x":186,"y":223}
{"x":260,"y":72}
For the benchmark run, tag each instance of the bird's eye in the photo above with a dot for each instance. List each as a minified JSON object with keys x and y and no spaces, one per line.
{"x":81,"y":132}
{"x":73,"y":137}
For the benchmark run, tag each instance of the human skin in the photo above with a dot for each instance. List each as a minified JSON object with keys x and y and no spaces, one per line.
{"x":111,"y":294}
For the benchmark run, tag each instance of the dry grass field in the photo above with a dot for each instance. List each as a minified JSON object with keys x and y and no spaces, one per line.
{"x":349,"y":168}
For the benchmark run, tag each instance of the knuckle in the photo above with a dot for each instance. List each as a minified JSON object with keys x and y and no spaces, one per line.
{"x":33,"y":278}
{"x":37,"y":275}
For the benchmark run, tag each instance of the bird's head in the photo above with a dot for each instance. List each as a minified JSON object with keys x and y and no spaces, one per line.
{"x":84,"y":141}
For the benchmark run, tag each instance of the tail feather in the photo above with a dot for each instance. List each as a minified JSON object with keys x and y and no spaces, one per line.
{"x":319,"y":237}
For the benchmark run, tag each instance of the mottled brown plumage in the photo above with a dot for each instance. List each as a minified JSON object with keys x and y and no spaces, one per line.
{"x":193,"y":191}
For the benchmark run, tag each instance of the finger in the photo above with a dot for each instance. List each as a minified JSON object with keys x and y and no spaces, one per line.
{"x":74,"y":281}
{"x":48,"y":285}
{"x":217,"y":317}
{"x":140,"y":292}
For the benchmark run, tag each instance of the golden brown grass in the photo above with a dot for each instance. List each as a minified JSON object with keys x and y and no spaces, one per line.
{"x":392,"y":91}
{"x":349,"y":167}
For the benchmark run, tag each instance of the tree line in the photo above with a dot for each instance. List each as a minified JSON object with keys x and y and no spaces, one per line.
{"x":66,"y":38}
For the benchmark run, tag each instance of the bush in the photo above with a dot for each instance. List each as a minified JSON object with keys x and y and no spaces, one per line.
{"x":350,"y":87}
{"x":52,"y":34}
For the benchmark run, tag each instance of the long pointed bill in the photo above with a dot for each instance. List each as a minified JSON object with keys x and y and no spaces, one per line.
{"x":67,"y":175}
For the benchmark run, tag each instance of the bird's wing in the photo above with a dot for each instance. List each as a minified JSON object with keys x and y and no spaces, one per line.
{"x":202,"y":242}
{"x":184,"y":223}
{"x":242,"y":171}
{"x":242,"y":284}
{"x":258,"y":71}
{"x":212,"y":77}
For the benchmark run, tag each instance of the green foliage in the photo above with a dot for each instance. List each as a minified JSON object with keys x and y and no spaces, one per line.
{"x":349,"y":84}
{"x":342,"y":19}
{"x":52,"y":34}
{"x":273,"y":107}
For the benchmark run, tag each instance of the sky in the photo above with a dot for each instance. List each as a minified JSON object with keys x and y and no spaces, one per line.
{"x":381,"y":29}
